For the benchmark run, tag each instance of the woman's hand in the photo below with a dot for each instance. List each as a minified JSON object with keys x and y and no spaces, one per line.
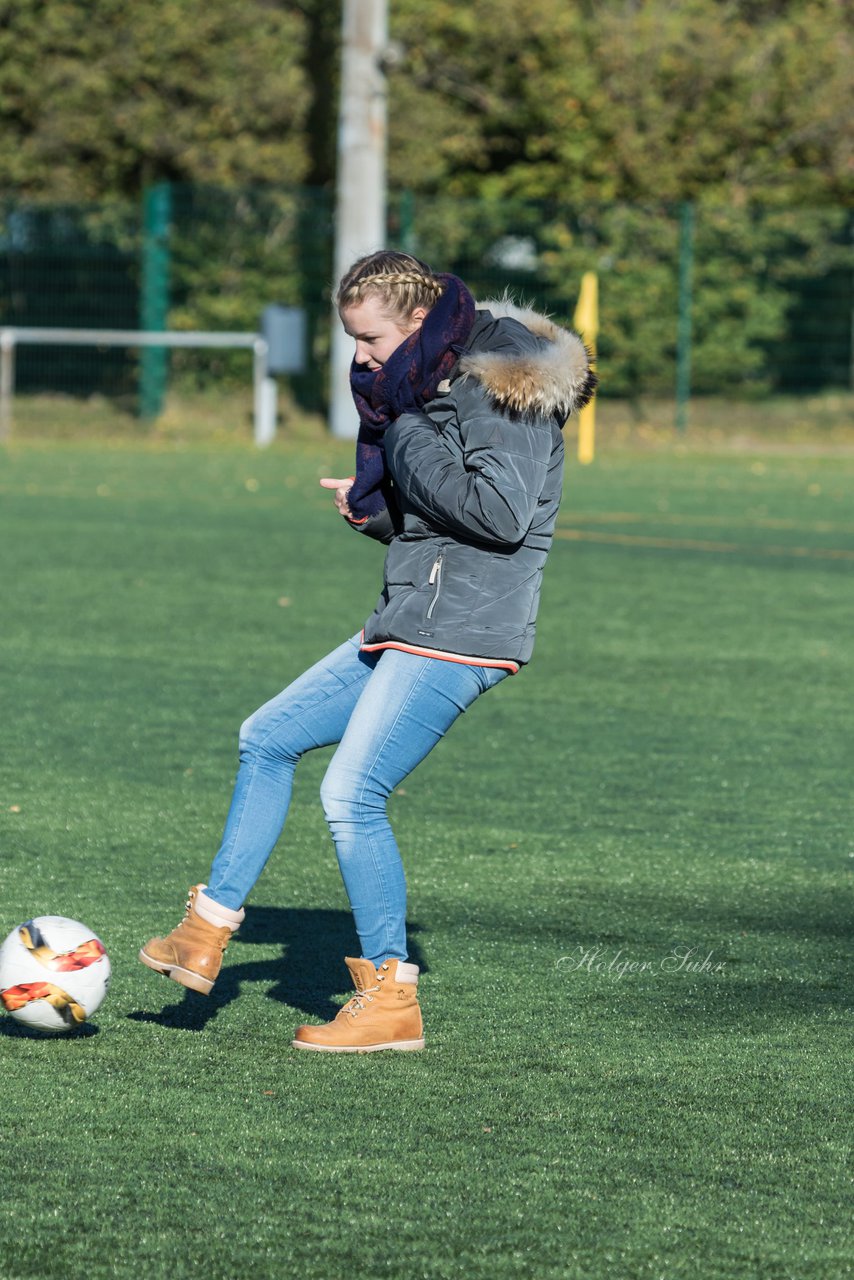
{"x":342,"y":488}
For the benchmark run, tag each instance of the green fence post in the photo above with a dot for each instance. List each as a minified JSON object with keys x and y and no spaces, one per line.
{"x":154,"y":296}
{"x":683,"y":329}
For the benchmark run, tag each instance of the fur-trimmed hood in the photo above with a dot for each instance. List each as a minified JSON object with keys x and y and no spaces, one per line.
{"x":549,"y":376}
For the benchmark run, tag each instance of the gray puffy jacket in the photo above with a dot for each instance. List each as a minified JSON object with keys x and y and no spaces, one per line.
{"x":477,"y":482}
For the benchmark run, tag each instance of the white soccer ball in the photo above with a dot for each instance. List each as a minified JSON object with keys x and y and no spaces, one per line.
{"x":54,"y":973}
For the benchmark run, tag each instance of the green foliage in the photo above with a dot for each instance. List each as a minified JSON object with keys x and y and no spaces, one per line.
{"x":538,"y":141}
{"x":745,"y":262}
{"x":98,"y":97}
{"x":575,"y":130}
{"x":640,"y":102}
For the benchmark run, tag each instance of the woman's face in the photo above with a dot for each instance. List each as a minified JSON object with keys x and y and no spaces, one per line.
{"x":376,"y":335}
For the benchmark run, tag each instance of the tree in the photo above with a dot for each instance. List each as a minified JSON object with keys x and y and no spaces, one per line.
{"x":614,"y":101}
{"x":99,"y":97}
{"x":322,"y":66}
{"x":562,"y":137}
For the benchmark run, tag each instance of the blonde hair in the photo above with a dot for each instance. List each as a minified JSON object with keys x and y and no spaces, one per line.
{"x":401,"y":282}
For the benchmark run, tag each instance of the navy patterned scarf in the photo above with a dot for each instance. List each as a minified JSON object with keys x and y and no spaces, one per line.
{"x":407,"y":380}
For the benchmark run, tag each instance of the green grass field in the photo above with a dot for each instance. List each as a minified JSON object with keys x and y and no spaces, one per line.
{"x":669,"y":782}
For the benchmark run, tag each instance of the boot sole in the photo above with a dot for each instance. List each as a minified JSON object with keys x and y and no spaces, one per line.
{"x":186,"y":977}
{"x":405,"y":1046}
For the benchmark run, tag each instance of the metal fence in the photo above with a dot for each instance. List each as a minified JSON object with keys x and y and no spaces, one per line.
{"x":693,"y":298}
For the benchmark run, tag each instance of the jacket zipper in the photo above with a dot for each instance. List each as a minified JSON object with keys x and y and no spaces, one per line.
{"x":435,"y":580}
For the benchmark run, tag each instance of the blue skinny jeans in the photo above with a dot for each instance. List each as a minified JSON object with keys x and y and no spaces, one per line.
{"x":387,"y":710}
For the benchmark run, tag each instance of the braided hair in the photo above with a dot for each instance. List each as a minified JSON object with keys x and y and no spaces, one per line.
{"x":401,"y":282}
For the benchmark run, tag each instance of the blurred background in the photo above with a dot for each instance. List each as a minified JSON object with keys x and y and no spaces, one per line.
{"x":172,"y":165}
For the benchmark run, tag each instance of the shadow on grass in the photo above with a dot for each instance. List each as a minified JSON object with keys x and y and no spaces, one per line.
{"x":786,"y":962}
{"x":20,"y":1031}
{"x":309,"y":971}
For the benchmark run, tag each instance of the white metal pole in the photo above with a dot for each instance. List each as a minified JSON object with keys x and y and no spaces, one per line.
{"x":265,"y":387}
{"x":265,"y":395}
{"x":7,"y":381}
{"x":361,"y":187}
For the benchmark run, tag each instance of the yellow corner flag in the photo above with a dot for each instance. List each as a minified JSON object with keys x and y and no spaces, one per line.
{"x":586,"y":321}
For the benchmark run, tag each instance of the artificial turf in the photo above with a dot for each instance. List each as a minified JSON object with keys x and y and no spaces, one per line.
{"x":667,"y":786}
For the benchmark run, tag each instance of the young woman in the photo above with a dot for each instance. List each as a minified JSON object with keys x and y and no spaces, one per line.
{"x":459,"y":469}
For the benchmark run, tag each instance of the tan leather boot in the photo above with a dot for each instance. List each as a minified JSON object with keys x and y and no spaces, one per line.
{"x":383,"y":1014}
{"x":192,"y":953}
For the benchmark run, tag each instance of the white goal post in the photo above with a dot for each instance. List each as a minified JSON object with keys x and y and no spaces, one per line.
{"x":264,"y":386}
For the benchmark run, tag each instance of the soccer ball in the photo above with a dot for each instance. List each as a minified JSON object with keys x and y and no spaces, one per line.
{"x":54,"y":973}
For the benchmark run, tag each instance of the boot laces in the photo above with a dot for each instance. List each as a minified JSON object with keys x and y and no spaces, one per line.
{"x":363,"y":997}
{"x":187,"y":909}
{"x":224,"y":932}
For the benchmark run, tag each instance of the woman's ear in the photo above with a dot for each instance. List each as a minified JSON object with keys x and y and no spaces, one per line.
{"x":417,"y":317}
